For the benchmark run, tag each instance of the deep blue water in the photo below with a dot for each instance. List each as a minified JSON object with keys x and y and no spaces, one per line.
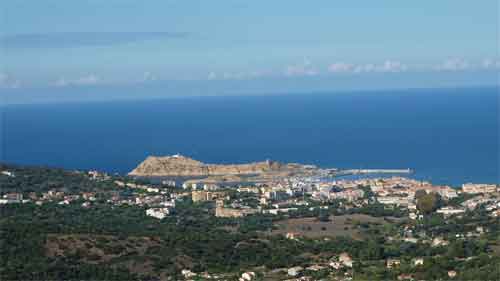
{"x":446,"y":135}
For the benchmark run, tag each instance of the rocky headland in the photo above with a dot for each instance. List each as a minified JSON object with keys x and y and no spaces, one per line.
{"x":181,"y":166}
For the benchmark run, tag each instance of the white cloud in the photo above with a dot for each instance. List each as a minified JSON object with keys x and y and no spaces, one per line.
{"x":212,"y":76}
{"x":364,"y":68}
{"x":226,"y":75}
{"x":304,"y":69}
{"x":148,"y":76}
{"x":3,"y":78}
{"x":392,"y":66}
{"x":232,"y":75}
{"x":87,"y":80}
{"x":387,"y":66}
{"x":238,"y":75}
{"x":341,"y":67}
{"x":6,"y":81}
{"x":454,"y":64}
{"x":490,"y":64}
{"x":61,"y":82}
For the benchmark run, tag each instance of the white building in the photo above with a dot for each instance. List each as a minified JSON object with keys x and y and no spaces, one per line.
{"x":393,"y":200}
{"x":158,"y":213}
{"x":345,"y":259}
{"x":450,"y":211}
{"x":210,"y":187}
{"x":152,"y":189}
{"x":7,"y":173}
{"x":418,"y":261}
{"x":278,"y":211}
{"x":247,"y":276}
{"x":478,"y":188}
{"x":170,"y":203}
{"x":188,"y":273}
{"x":348,"y":194}
{"x":294,"y":271}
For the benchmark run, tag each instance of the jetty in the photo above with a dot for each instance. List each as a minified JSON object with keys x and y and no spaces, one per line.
{"x":336,"y":172}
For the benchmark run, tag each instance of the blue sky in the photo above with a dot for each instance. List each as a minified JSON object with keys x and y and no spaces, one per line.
{"x":93,"y":42}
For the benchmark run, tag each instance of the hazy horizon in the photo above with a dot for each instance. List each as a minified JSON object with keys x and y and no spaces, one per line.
{"x":220,"y":48}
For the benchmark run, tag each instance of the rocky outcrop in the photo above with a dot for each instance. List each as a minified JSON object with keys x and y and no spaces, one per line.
{"x":178,"y":165}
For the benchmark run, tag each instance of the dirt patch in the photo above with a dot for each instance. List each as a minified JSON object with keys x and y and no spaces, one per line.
{"x":346,"y":225}
{"x":131,"y":252}
{"x":496,"y":249}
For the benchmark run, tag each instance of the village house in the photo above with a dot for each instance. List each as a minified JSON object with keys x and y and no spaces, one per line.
{"x":439,"y":241}
{"x":393,"y":200}
{"x":159,"y":213}
{"x":292,"y":235}
{"x":223,"y":212}
{"x":169,"y":183}
{"x":89,"y":196}
{"x":347,"y":194}
{"x":188,"y":273}
{"x":278,"y":211}
{"x":202,"y":196}
{"x":275,"y":194}
{"x":473,"y":203}
{"x":452,"y":273}
{"x":410,"y":240}
{"x":418,"y":261}
{"x":345,"y":259}
{"x":495,"y":213}
{"x":96,"y":175}
{"x":8,"y":173}
{"x":249,"y":189}
{"x":448,"y":211}
{"x":295,"y":271}
{"x":391,"y":263}
{"x":210,"y":187}
{"x":247,"y":276}
{"x":10,"y":198}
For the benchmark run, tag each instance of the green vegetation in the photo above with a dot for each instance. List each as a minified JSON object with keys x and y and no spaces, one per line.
{"x":41,"y":179}
{"x":119,"y":242}
{"x":427,"y":202}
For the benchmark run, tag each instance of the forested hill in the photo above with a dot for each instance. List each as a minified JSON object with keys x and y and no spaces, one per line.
{"x":68,"y":225}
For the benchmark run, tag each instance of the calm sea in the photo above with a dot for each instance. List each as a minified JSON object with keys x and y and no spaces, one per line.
{"x":447,"y":135}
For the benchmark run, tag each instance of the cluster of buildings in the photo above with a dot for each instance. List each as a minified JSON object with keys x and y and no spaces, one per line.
{"x":14,"y":197}
{"x":337,"y":264}
{"x":231,"y":212}
{"x":8,"y":173}
{"x":144,"y":187}
{"x":203,"y":196}
{"x":406,"y":188}
{"x":287,"y":194}
{"x":350,"y":194}
{"x":277,"y":196}
{"x":98,"y":176}
{"x":283,"y":196}
{"x":61,"y":197}
{"x":473,"y":188}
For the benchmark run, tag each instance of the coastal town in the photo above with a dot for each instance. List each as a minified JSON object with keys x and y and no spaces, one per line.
{"x":312,"y":206}
{"x":283,"y":195}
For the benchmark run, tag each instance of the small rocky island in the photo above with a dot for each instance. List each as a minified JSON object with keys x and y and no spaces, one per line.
{"x":181,"y":166}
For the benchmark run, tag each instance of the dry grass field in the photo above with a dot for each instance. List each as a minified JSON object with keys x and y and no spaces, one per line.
{"x":346,"y":225}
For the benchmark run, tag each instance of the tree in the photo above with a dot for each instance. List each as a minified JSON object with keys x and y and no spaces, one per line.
{"x":428,"y":203}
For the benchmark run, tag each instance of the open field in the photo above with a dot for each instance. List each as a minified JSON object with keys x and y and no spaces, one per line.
{"x":346,"y":225}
